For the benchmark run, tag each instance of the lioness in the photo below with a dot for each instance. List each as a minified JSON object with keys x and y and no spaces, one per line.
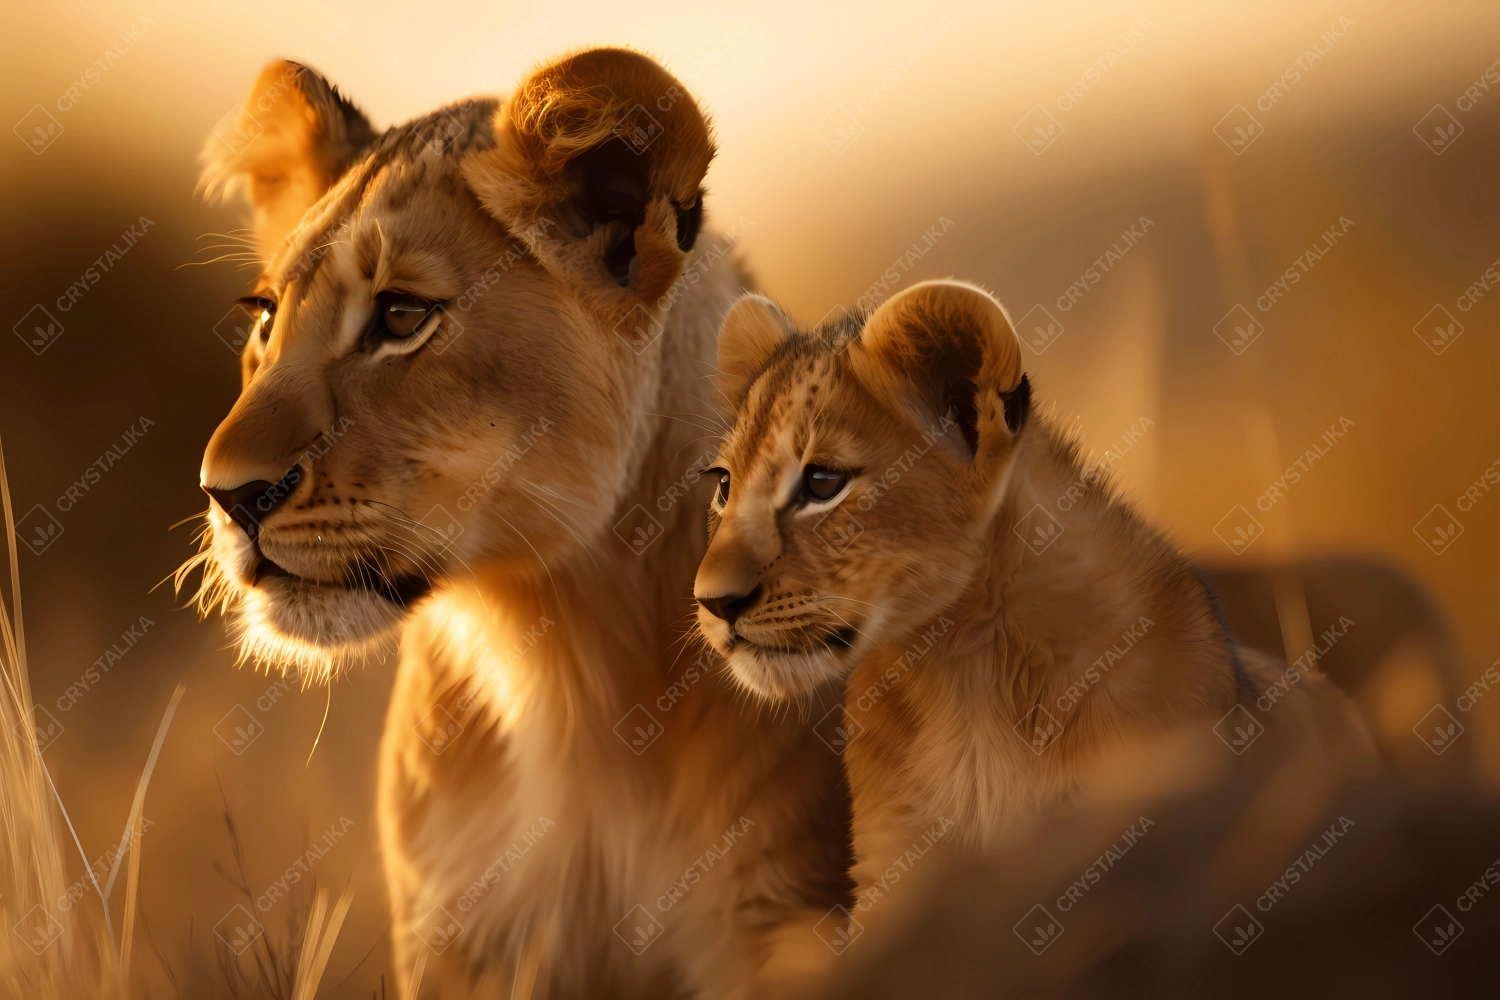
{"x":885,"y":513}
{"x":472,"y":393}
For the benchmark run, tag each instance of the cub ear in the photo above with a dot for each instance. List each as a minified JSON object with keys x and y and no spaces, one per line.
{"x":598,"y":167}
{"x":752,"y":331}
{"x":944,"y":350}
{"x":292,"y":138}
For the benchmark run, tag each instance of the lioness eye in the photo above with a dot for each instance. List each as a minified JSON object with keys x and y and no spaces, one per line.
{"x":721,"y":495}
{"x":261,"y":309}
{"x":821,"y":483}
{"x":399,"y":315}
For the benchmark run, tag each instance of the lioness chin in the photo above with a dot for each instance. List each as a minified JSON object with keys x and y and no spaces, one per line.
{"x":472,"y":373}
{"x":888,"y":512}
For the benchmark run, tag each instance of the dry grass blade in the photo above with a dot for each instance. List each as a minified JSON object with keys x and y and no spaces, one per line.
{"x":63,"y":953}
{"x":310,"y":937}
{"x":129,"y":841}
{"x":140,"y":787}
{"x":127,"y":924}
{"x":415,"y":986}
{"x":319,"y":944}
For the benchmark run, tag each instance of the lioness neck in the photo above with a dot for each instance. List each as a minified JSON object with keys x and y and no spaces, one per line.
{"x":1080,"y":626}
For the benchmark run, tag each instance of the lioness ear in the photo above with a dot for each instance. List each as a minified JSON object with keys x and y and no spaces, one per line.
{"x":752,"y":331}
{"x":286,"y":145}
{"x":944,"y":350}
{"x":598,"y":167}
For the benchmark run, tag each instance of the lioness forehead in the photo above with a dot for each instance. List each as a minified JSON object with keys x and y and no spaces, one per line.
{"x":408,"y":160}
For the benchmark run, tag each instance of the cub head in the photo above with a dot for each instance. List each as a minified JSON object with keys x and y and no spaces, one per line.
{"x":862,"y":468}
{"x":453,"y":350}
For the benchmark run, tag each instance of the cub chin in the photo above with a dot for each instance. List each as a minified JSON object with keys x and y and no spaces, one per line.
{"x":888,"y":514}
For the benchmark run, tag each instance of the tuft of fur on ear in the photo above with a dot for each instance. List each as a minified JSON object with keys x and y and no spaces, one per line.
{"x":946,"y":349}
{"x":293,"y":138}
{"x":752,"y":332}
{"x":598,"y":167}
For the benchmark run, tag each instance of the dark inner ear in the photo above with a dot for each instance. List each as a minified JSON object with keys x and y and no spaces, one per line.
{"x":613,"y":182}
{"x":957,"y":361}
{"x":958,"y":399}
{"x":1017,"y":404}
{"x":689,"y":221}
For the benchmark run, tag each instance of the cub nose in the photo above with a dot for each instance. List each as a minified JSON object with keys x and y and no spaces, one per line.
{"x":731,"y":606}
{"x":249,"y":503}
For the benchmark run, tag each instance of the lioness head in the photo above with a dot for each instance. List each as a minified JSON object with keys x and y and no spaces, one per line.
{"x":862,"y":468}
{"x":452,"y":352}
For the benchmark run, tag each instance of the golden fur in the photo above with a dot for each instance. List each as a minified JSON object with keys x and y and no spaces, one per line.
{"x":463,"y":490}
{"x":925,"y":588}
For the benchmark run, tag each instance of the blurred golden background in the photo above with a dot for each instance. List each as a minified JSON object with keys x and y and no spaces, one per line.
{"x":1169,"y":163}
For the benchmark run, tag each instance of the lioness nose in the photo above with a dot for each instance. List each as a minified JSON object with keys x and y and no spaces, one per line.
{"x":249,"y":503}
{"x":731,"y":606}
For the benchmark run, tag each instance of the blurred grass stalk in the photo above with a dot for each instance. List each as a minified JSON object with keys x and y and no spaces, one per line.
{"x":48,"y":952}
{"x":45,"y":952}
{"x":52,"y":951}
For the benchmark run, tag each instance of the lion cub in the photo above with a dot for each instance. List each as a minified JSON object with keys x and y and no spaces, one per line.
{"x":887,"y":512}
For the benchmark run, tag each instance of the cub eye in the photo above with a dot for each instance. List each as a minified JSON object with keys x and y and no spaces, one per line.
{"x":721,"y":495}
{"x":399,"y":315}
{"x":821,"y":483}
{"x":262,"y":310}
